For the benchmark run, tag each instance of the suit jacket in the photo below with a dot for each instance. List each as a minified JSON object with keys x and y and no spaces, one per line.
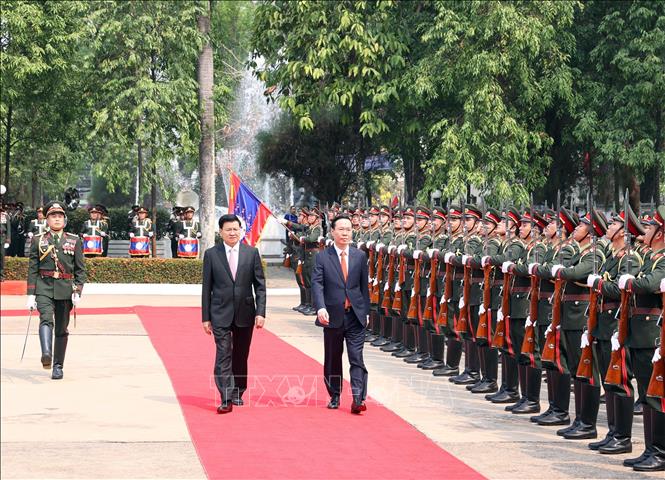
{"x":329,"y":290}
{"x":224,"y":300}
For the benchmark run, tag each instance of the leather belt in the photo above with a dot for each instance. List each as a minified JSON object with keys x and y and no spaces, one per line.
{"x":312,"y":249}
{"x":544,"y":295}
{"x":646,"y":311}
{"x":520,"y":289}
{"x":56,"y":274}
{"x":610,"y":306}
{"x":576,"y":298}
{"x":312,"y":245}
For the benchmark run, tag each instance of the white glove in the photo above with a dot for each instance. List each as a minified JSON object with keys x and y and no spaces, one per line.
{"x":505,"y":267}
{"x":360,"y":244}
{"x":465,"y":258}
{"x":181,"y":236}
{"x":461,"y":303}
{"x":198,"y":234}
{"x":30,"y":234}
{"x":401,"y":248}
{"x":430,"y":252}
{"x":585,"y":340}
{"x":76,"y":298}
{"x":398,"y":287}
{"x":656,"y":356}
{"x":555,"y":269}
{"x":282,"y":221}
{"x":548,"y":330}
{"x":103,"y":234}
{"x":499,"y":315}
{"x":379,"y":246}
{"x":391,"y":248}
{"x":528,"y":322}
{"x":416,"y":254}
{"x":329,"y":242}
{"x":6,"y":245}
{"x":591,"y":280}
{"x":662,"y":285}
{"x":131,"y":235}
{"x":443,"y":300}
{"x":429,"y":292}
{"x":301,"y":239}
{"x":150,"y":234}
{"x":481,"y":309}
{"x":448,"y":256}
{"x":623,"y":279}
{"x":31,"y":304}
{"x":375,"y":282}
{"x":370,"y":243}
{"x":485,"y":260}
{"x":615,"y":342}
{"x":434,"y":250}
{"x":320,"y":238}
{"x":532,"y":268}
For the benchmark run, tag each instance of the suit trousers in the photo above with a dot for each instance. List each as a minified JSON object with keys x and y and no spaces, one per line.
{"x":232,"y":350}
{"x":333,"y":338}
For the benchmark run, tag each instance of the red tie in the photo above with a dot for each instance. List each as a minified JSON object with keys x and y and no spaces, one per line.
{"x":345,"y":273}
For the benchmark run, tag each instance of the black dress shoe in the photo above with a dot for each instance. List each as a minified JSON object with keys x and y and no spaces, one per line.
{"x":487,"y":386}
{"x":404,"y":353}
{"x":371,"y":338}
{"x":526,"y":407}
{"x":638,"y":408}
{"x":225,"y":407}
{"x":297,"y":308}
{"x":380,"y":342}
{"x":583,"y":431}
{"x":391,"y":347}
{"x":562,"y":431}
{"x":506,"y":397}
{"x":477,"y":383}
{"x":416,"y":358}
{"x":629,"y":462}
{"x":357,"y":408}
{"x":471,"y":378}
{"x":57,"y":372}
{"x":535,"y":418}
{"x":597,"y":445}
{"x":554,"y":418}
{"x":510,"y":408}
{"x":333,"y":404}
{"x":617,"y":445}
{"x":446,"y":371}
{"x":489,"y":397}
{"x":653,"y":463}
{"x":238,"y":401}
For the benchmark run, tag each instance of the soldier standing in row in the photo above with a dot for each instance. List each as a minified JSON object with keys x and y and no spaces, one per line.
{"x":311,"y":243}
{"x":174,"y":219}
{"x":190,"y":230}
{"x":141,"y":226}
{"x":56,"y":274}
{"x":5,"y":236}
{"x":94,"y":227}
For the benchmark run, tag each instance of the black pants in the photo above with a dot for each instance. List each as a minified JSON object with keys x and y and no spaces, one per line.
{"x":54,"y":313}
{"x":232,"y":350}
{"x":333,"y":339}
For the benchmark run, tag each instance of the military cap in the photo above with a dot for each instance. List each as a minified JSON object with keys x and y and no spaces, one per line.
{"x":314,"y":211}
{"x":537,"y":219}
{"x":142,"y":210}
{"x":397,"y":213}
{"x":597,"y":220}
{"x":511,"y":213}
{"x":635,"y":225}
{"x":408,"y":212}
{"x":568,"y":219}
{"x":471,"y":211}
{"x":355,"y":212}
{"x":55,"y":207}
{"x":423,"y":213}
{"x":493,"y":215}
{"x":189,"y":209}
{"x":439,"y":212}
{"x":455,"y":211}
{"x":549,"y":215}
{"x":335,"y":206}
{"x":95,"y":210}
{"x":658,"y":217}
{"x":385,"y":210}
{"x":40,"y":209}
{"x":102,"y":208}
{"x":373,"y":210}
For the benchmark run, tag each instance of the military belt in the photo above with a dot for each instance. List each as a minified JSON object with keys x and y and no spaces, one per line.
{"x":646,"y":311}
{"x":544,"y":295}
{"x":576,"y":298}
{"x":520,"y":289}
{"x":610,"y":306}
{"x":56,"y":274}
{"x":317,"y":249}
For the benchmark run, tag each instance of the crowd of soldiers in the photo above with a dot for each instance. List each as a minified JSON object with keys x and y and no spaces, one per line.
{"x":574,"y":300}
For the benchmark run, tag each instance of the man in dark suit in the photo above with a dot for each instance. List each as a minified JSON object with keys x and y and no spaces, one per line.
{"x":230,"y":309}
{"x":341,"y":298}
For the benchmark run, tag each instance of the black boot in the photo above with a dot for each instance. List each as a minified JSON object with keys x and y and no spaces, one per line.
{"x":395,"y":336}
{"x":561,"y":401}
{"x":655,"y":424}
{"x":299,"y":307}
{"x":550,"y":397}
{"x":386,"y":330}
{"x":437,"y":347}
{"x":589,"y":405}
{"x":59,"y":349}
{"x":420,"y":343}
{"x":621,"y":441}
{"x":408,"y":341}
{"x":46,"y":340}
{"x":609,"y":408}
{"x":577,"y":395}
{"x":532,"y":404}
{"x":454,"y":353}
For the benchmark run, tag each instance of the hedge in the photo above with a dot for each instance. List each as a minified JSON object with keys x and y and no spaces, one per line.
{"x":123,"y":270}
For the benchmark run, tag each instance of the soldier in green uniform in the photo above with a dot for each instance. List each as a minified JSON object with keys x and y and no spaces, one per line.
{"x":141,"y":226}
{"x":311,"y":243}
{"x":409,"y":238}
{"x":56,"y":274}
{"x":94,"y":226}
{"x":174,"y":219}
{"x":5,"y":237}
{"x":355,"y":223}
{"x":37,"y":225}
{"x":643,"y":336}
{"x":188,"y":227}
{"x":619,"y":427}
{"x":392,"y":319}
{"x":379,"y":241}
{"x":297,"y":253}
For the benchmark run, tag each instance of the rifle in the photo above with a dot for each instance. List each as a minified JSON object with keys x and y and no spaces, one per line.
{"x":413,"y":312}
{"x":529,"y":343}
{"x":551,"y":350}
{"x":374,"y":288}
{"x":617,"y":374}
{"x":585,"y":368}
{"x":387,"y":301}
{"x":442,"y":318}
{"x":401,"y":278}
{"x":499,"y":339}
{"x":463,"y":325}
{"x":484,"y":330}
{"x":657,"y":383}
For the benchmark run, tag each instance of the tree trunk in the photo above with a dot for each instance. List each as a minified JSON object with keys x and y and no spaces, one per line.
{"x":8,"y":145}
{"x":35,"y":190}
{"x":205,"y":74}
{"x":660,"y":146}
{"x":153,"y":210}
{"x":139,"y":172}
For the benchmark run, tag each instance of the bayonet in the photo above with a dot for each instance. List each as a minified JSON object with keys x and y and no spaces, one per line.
{"x":594,"y":242}
{"x":626,"y":231}
{"x":559,"y":227}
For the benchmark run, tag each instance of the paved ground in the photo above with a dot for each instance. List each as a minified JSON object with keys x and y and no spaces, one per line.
{"x":115,"y":414}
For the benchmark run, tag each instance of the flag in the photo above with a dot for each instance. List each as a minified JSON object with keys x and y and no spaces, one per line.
{"x":246,"y":205}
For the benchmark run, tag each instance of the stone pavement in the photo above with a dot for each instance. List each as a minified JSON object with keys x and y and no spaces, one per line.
{"x":115,"y":414}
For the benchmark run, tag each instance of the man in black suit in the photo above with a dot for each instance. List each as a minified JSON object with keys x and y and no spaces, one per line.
{"x":341,"y":298}
{"x":230,"y":309}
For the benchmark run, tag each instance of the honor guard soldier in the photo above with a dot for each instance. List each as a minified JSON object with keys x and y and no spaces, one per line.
{"x":355,"y":223}
{"x":393,"y":327}
{"x":93,"y":232}
{"x":175,"y":217}
{"x":37,"y":225}
{"x":56,"y":274}
{"x":311,"y":243}
{"x":188,"y":233}
{"x":5,"y":236}
{"x":140,"y":234}
{"x":379,"y":327}
{"x":296,"y":253}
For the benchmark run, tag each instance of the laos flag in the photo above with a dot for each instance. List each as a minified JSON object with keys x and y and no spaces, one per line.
{"x":246,"y":205}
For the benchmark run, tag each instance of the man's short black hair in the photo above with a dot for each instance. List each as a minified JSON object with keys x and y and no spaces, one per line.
{"x":229,"y":217}
{"x":342,"y":216}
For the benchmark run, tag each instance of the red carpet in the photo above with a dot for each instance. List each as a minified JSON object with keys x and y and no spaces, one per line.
{"x":284,"y":430}
{"x":13,"y":287}
{"x":79,"y":311}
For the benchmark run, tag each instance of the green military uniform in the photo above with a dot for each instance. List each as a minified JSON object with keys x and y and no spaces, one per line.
{"x":296,"y":250}
{"x":311,"y":243}
{"x":56,"y":271}
{"x":94,"y":227}
{"x":140,"y":228}
{"x":5,"y":238}
{"x":187,"y":228}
